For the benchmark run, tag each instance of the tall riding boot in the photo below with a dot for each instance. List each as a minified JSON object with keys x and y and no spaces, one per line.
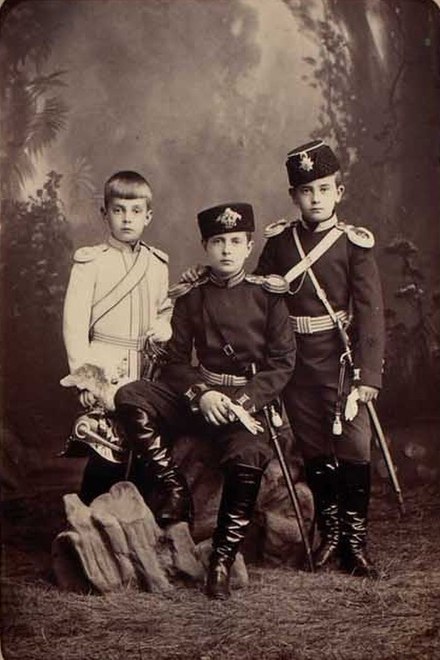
{"x":176,"y":504}
{"x":354,"y":499}
{"x":240,"y":491}
{"x":98,"y":477}
{"x":322,"y":477}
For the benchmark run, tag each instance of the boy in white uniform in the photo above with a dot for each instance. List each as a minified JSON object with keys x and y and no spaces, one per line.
{"x":116,"y":304}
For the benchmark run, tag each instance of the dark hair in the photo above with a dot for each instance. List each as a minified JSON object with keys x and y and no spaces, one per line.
{"x":127,"y":185}
{"x":249,"y":237}
{"x":338,"y":181}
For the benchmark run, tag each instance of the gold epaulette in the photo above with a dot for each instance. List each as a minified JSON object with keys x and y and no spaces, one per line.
{"x":277,"y":227}
{"x":360,"y":236}
{"x":182,"y":288}
{"x":162,"y":256}
{"x":84,"y":254}
{"x":271,"y":283}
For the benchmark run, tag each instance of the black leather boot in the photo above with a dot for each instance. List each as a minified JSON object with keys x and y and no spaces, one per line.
{"x":354,"y":498}
{"x":175,"y":498}
{"x":240,"y":491}
{"x":322,"y":477}
{"x":98,"y":477}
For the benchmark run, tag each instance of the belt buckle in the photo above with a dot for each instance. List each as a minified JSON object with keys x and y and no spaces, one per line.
{"x":228,"y":350}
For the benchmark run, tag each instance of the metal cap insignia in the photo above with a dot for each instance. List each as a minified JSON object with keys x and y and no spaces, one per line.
{"x":228,"y":218}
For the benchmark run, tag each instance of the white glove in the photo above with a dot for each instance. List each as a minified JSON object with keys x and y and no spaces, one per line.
{"x":351,"y":405}
{"x":249,"y":422}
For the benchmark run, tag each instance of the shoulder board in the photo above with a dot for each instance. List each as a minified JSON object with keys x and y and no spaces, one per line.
{"x":359,"y":236}
{"x":85,"y":254}
{"x":162,"y":256}
{"x":270,"y":283}
{"x":182,"y":288}
{"x":277,"y":227}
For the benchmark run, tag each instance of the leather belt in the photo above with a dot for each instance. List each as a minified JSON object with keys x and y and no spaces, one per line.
{"x":132,"y":344}
{"x":308,"y":325}
{"x":213,"y":378}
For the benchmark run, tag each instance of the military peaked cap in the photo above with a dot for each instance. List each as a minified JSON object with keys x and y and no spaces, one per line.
{"x":226,"y":218}
{"x":310,"y":161}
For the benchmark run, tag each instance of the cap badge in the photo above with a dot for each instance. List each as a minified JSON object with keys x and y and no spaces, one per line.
{"x":306,"y":163}
{"x":228,"y":218}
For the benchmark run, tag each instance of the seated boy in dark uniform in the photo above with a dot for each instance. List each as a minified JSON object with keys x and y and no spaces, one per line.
{"x":240,"y":329}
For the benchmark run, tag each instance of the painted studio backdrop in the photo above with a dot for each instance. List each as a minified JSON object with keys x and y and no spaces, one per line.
{"x":205,"y":98}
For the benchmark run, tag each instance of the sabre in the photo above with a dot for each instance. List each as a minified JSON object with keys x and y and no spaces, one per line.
{"x":386,"y":455}
{"x":84,"y":430}
{"x":274,"y":421}
{"x":383,"y":446}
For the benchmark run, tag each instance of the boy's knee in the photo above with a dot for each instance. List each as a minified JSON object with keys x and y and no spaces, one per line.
{"x":131,"y":394}
{"x":252,"y":454}
{"x":123,"y":395}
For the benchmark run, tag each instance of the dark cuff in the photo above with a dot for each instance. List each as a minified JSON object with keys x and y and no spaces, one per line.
{"x":245,"y":402}
{"x":193,"y":394}
{"x":370,"y":378}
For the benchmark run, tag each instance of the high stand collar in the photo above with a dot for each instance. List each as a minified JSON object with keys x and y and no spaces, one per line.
{"x":227,"y":283}
{"x":123,"y":247}
{"x":319,"y":226}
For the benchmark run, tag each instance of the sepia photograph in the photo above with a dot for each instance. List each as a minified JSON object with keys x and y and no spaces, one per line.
{"x":220,"y":329}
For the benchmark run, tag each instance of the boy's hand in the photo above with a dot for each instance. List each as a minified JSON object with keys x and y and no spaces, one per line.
{"x":192,"y":274}
{"x":152,"y":336}
{"x":367,"y":393}
{"x":362,"y":393}
{"x":154,"y":345}
{"x":218,"y":409}
{"x":215,"y":408}
{"x":249,"y":422}
{"x":87,"y":399}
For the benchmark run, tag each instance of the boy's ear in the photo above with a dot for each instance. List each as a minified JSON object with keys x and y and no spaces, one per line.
{"x":250,"y":246}
{"x":341,"y":191}
{"x":148,"y":217}
{"x":292,"y":193}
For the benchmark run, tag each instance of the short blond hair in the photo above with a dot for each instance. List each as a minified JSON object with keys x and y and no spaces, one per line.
{"x":127,"y":185}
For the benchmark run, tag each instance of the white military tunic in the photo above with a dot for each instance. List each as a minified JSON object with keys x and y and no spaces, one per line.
{"x":116,"y":294}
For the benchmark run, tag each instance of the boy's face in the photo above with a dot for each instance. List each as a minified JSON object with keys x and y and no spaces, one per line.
{"x":227,"y":252}
{"x":317,"y":199}
{"x":127,"y":218}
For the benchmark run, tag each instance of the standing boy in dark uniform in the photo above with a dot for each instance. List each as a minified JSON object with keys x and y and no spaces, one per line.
{"x":334,"y":281}
{"x":238,"y":325}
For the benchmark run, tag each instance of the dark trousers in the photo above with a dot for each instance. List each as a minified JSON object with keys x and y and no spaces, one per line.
{"x":171,"y":416}
{"x":311,"y":411}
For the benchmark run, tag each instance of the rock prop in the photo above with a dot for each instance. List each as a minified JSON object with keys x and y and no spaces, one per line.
{"x":275,"y":517}
{"x":116,"y":543}
{"x":239,"y":574}
{"x":274,"y":536}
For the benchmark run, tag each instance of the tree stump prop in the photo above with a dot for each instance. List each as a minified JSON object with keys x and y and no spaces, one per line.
{"x":115,"y":543}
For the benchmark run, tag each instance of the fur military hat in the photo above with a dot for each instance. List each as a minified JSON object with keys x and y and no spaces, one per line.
{"x":226,"y":218}
{"x":310,"y":161}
